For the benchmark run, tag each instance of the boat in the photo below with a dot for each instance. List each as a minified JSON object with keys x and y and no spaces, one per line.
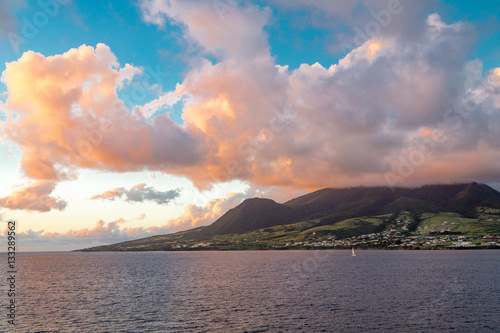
{"x":353,"y":254}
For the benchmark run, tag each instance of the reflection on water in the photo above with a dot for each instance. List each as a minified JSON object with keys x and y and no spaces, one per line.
{"x":261,"y":291}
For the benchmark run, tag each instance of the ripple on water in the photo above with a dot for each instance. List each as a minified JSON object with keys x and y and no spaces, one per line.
{"x":262,"y":291}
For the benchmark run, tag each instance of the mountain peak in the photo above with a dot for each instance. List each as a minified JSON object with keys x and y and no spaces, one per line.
{"x":251,"y":214}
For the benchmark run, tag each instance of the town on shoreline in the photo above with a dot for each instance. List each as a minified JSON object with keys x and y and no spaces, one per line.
{"x":402,"y":230}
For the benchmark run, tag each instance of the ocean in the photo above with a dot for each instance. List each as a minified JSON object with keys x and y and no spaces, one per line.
{"x":256,"y":291}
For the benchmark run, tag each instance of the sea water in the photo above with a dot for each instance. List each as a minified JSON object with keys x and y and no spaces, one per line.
{"x":256,"y":291}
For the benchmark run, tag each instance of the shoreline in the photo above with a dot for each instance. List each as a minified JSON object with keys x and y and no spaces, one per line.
{"x":296,"y":249}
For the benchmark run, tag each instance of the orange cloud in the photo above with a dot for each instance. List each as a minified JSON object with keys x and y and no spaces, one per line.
{"x":248,"y":118}
{"x":117,"y":192}
{"x":193,"y":216}
{"x":101,"y":230}
{"x":34,"y":197}
{"x":75,"y":119}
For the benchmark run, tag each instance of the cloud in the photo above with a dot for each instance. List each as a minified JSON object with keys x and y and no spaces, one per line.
{"x":77,"y":120}
{"x":347,"y":124}
{"x":74,"y":118}
{"x":219,"y":27}
{"x":196,"y":215}
{"x":140,"y":193}
{"x":349,"y":21}
{"x":103,"y":232}
{"x":402,"y":104}
{"x":34,"y":197}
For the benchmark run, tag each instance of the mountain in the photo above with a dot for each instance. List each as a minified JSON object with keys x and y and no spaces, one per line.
{"x":338,"y":204}
{"x":329,"y":207}
{"x":251,"y":214}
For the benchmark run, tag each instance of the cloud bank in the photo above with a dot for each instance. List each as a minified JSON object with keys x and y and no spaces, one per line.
{"x":405,"y":107}
{"x":116,"y":231}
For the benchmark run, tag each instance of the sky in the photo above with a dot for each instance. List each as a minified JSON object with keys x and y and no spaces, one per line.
{"x":131,"y":118}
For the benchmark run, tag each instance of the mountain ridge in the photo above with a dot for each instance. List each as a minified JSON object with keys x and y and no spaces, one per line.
{"x":329,"y":206}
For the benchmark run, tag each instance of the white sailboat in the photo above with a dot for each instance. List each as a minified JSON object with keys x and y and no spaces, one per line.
{"x":353,"y":254}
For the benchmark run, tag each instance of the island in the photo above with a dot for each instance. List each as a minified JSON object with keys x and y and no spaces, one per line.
{"x":456,"y":216}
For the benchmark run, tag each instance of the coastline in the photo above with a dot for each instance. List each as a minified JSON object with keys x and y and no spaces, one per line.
{"x":295,"y":249}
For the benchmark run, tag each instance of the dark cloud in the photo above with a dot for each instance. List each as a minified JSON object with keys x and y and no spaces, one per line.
{"x":140,"y":193}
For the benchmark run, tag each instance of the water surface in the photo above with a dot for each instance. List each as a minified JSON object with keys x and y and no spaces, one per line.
{"x":258,"y":291}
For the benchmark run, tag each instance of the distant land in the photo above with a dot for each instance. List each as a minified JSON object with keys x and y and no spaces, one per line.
{"x":428,"y":217}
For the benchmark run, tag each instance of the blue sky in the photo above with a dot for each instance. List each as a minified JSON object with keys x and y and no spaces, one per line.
{"x":222,"y":100}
